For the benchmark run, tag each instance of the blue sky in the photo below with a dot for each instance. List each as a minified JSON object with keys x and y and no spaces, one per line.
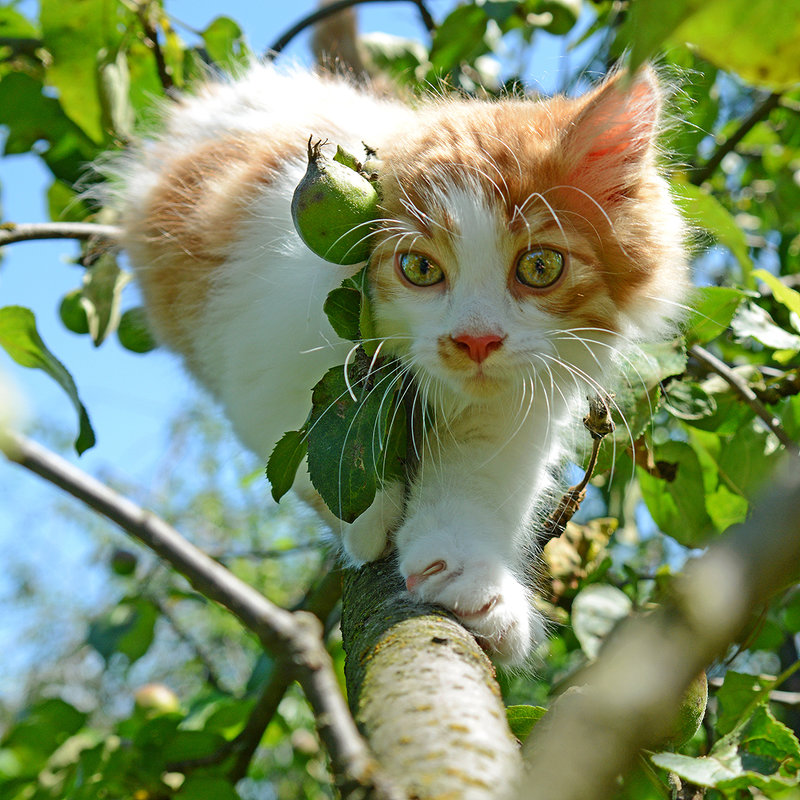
{"x":130,"y":398}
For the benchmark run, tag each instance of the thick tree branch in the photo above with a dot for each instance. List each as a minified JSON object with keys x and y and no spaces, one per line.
{"x":629,"y":698}
{"x":761,"y":111}
{"x":744,"y":391}
{"x":424,"y":693}
{"x":295,"y":636}
{"x":333,"y":8}
{"x":10,"y":232}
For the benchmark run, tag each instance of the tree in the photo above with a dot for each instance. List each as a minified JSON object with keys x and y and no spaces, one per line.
{"x":707,"y":423}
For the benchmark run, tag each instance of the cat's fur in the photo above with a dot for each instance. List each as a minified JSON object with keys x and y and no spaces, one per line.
{"x":205,"y":208}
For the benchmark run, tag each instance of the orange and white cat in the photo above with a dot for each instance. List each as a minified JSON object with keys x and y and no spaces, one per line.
{"x":525,"y":247}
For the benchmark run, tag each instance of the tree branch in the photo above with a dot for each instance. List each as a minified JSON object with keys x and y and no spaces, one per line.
{"x":744,"y":391}
{"x":629,"y":698}
{"x":333,"y":8}
{"x":296,"y":636}
{"x":446,"y":733}
{"x":10,"y":232}
{"x":761,"y":111}
{"x":151,"y":32}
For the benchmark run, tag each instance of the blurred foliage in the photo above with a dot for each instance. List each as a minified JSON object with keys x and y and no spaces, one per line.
{"x":685,"y":464}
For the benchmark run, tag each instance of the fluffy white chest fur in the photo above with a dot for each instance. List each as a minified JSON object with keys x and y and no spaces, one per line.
{"x":524,"y":247}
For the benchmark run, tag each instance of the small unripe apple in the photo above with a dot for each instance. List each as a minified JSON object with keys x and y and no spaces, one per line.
{"x":691,"y":713}
{"x":156,"y":699}
{"x":123,"y":562}
{"x":134,"y":333}
{"x":72,"y":312}
{"x":333,"y":209}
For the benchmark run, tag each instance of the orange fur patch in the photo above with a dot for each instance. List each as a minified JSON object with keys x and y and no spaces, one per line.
{"x":189,"y":224}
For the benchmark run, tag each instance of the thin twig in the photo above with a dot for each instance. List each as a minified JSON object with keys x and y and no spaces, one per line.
{"x":333,"y":8}
{"x":742,"y":388}
{"x":11,"y":232}
{"x":188,"y":639}
{"x":294,"y":636}
{"x":761,"y":111}
{"x":151,"y":32}
{"x":599,"y":424}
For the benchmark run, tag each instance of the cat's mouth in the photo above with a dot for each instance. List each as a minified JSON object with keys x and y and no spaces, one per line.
{"x":482,"y":383}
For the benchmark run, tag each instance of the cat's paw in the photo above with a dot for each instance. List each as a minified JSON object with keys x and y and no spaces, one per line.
{"x":484,"y":595}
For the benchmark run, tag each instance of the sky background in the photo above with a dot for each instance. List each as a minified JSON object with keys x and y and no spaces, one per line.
{"x":130,"y":398}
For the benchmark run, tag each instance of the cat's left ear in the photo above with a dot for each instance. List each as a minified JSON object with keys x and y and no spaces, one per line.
{"x":611,"y":139}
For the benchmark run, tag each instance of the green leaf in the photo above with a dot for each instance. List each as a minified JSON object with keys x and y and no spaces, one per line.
{"x":758,"y":40}
{"x":103,"y":283}
{"x":200,"y":787}
{"x":346,"y":440}
{"x":128,"y":629}
{"x":500,"y":10}
{"x":225,"y":43}
{"x":735,"y":697}
{"x":73,"y":34}
{"x":753,"y":321}
{"x":14,"y":25}
{"x":31,"y":118}
{"x":116,"y":108}
{"x":45,"y":726}
{"x":596,"y":610}
{"x":185,"y":745}
{"x":689,"y":401}
{"x":21,"y":340}
{"x":285,"y":460}
{"x":703,"y":209}
{"x":713,"y":308}
{"x":343,"y":307}
{"x":648,"y":24}
{"x":678,"y":505}
{"x":782,"y":293}
{"x":64,"y":204}
{"x":459,"y":38}
{"x":638,"y":397}
{"x":726,"y":508}
{"x":747,"y":458}
{"x":523,"y":718}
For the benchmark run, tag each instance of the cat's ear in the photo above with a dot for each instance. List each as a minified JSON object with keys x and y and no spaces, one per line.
{"x":611,"y":139}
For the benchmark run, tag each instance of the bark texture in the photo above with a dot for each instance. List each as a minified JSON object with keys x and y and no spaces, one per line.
{"x":423,"y":693}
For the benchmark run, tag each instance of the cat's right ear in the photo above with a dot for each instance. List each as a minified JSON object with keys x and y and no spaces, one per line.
{"x":612,"y":138}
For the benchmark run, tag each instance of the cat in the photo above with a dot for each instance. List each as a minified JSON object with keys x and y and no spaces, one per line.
{"x":526,"y":247}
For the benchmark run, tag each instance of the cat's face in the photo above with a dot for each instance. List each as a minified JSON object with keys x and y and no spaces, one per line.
{"x":517,"y":233}
{"x":480,"y":302}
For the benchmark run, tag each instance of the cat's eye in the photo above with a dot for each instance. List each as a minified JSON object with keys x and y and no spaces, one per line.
{"x":540,"y":267}
{"x":419,"y":269}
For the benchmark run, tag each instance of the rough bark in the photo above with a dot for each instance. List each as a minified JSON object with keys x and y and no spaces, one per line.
{"x":423,"y":693}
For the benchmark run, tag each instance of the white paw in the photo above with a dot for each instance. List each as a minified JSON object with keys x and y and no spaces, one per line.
{"x":483,"y":594}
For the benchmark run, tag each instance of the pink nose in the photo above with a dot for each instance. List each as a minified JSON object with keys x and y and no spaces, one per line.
{"x":478,"y":347}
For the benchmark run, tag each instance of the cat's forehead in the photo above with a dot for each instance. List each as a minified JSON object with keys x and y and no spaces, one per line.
{"x":502,"y":150}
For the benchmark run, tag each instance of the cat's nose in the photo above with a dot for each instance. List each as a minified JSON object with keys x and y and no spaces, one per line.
{"x":478,"y":347}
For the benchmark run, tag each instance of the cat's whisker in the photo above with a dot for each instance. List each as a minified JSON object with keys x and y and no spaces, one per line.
{"x":550,"y":209}
{"x":347,"y":360}
{"x":480,"y":172}
{"x":507,"y":147}
{"x":598,"y":206}
{"x":603,"y":392}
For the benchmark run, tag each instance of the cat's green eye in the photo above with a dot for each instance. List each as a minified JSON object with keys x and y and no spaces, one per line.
{"x":419,"y":269}
{"x":540,"y":267}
